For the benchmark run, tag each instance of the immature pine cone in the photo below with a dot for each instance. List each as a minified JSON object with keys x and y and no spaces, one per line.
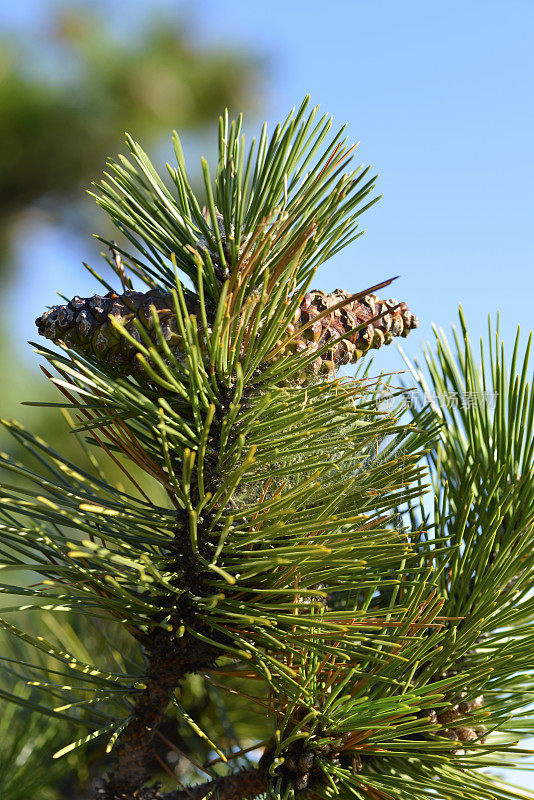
{"x":464,"y":733}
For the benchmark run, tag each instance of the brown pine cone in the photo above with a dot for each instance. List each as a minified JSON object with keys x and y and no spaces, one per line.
{"x":83,"y":325}
{"x":463,"y":733}
{"x":397,"y":322}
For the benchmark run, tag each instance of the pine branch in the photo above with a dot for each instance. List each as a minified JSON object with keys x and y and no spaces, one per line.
{"x":244,"y":785}
{"x":169,"y":662}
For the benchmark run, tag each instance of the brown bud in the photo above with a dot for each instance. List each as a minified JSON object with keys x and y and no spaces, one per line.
{"x":301,"y":782}
{"x":448,"y":716}
{"x":305,"y":762}
{"x":481,"y":731}
{"x":465,"y":734}
{"x":290,"y":763}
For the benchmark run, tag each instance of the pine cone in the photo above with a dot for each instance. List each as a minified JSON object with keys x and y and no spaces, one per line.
{"x":83,"y":325}
{"x":398,"y":322}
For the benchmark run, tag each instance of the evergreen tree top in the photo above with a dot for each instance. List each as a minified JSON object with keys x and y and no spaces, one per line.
{"x":269,"y":532}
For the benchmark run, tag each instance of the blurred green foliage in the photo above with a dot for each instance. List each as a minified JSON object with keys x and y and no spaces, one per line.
{"x":66,"y":101}
{"x":31,"y":734}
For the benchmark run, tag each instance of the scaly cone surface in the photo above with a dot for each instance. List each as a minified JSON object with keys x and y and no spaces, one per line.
{"x":84,"y":325}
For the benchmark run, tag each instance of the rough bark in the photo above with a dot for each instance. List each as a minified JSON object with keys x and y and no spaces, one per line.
{"x":244,"y":785}
{"x":170,"y":660}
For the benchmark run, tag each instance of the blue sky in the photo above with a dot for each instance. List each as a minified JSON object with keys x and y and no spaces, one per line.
{"x":440,"y":95}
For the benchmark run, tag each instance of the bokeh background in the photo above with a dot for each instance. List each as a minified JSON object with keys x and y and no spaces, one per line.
{"x":438,"y":94}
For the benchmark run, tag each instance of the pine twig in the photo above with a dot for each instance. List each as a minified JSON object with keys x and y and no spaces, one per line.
{"x":247,"y":784}
{"x":170,"y":661}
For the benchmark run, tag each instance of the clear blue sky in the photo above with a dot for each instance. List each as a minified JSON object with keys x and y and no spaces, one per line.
{"x":440,"y":95}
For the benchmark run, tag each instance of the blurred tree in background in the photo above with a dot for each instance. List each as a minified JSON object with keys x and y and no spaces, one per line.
{"x":58,"y":125}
